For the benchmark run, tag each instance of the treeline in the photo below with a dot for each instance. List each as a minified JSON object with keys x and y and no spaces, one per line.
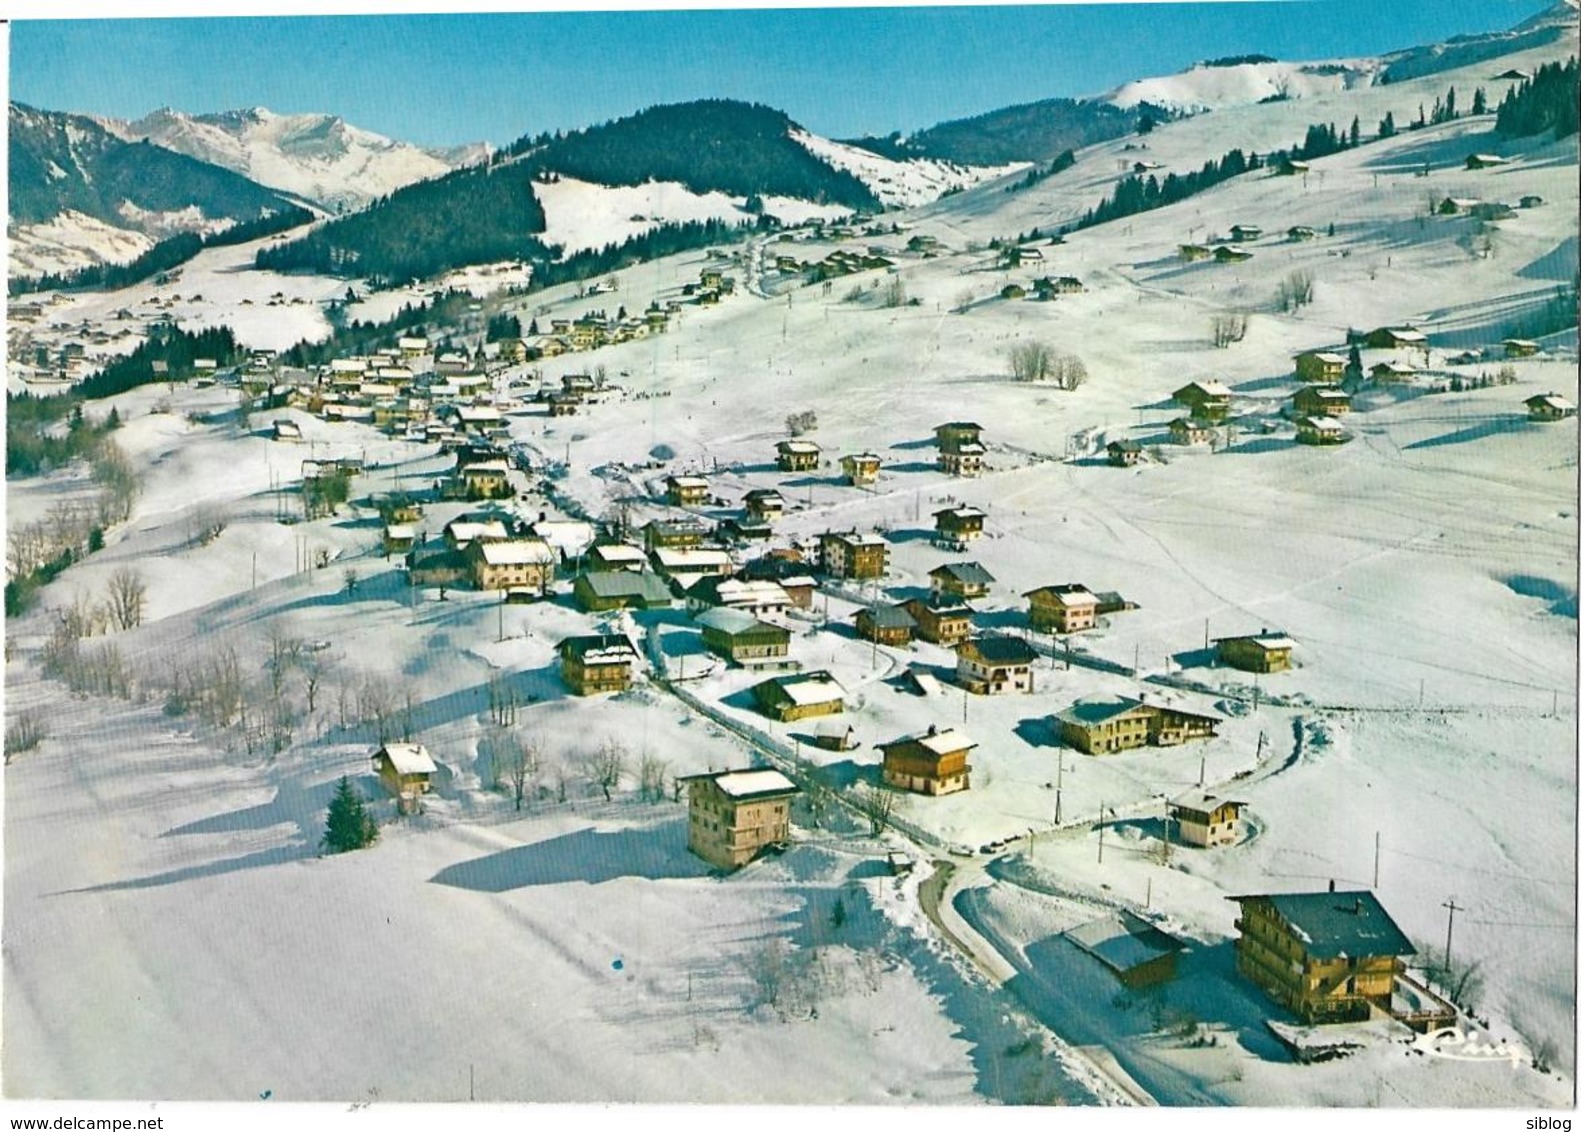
{"x":33,"y":443}
{"x":166,"y":255}
{"x":667,"y":239}
{"x":359,"y":338}
{"x":1546,"y":101}
{"x":481,"y":214}
{"x":1042,"y":173}
{"x":177,"y":348}
{"x":1136,"y":193}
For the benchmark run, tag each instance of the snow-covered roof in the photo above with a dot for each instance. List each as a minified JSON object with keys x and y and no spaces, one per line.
{"x":1202,"y":802}
{"x":1322,"y":424}
{"x":599,"y":648}
{"x":809,"y":688}
{"x":570,"y":535}
{"x":1336,"y":924}
{"x":751,"y":783}
{"x":682,"y":558}
{"x":1211,"y":388}
{"x":400,"y":530}
{"x":1325,"y":358}
{"x":945,"y":742}
{"x":967,"y":573}
{"x":620,"y":552}
{"x":1553,"y":401}
{"x":486,"y":468}
{"x":1123,"y":941}
{"x":687,"y":481}
{"x":517,"y":552}
{"x":462,"y":531}
{"x":408,"y":758}
{"x":735,"y":622}
{"x":1069,"y":594}
{"x":798,"y":447}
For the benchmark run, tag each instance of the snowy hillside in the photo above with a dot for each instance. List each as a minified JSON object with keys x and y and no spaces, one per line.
{"x":1206,"y":87}
{"x":901,"y":184}
{"x":319,"y":157}
{"x":72,"y":240}
{"x":563,"y":944}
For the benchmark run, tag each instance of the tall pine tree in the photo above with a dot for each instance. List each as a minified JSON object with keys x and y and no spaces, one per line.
{"x":349,"y":825}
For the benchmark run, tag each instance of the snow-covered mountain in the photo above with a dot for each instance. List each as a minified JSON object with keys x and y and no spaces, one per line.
{"x":1216,"y":84}
{"x":320,"y":157}
{"x":1212,"y":86}
{"x":900,"y":184}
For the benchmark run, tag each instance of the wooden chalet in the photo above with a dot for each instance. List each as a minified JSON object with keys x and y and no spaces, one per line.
{"x":1318,"y":367}
{"x":514,"y":563}
{"x":1190,"y":253}
{"x":489,"y":479}
{"x":1123,"y":453}
{"x":885,"y":624}
{"x":436,"y":564}
{"x":993,"y":665}
{"x":1205,"y":820}
{"x":404,"y":768}
{"x":674,"y":534}
{"x":955,"y":526}
{"x":761,"y":598}
{"x":743,"y":639}
{"x":685,"y":491}
{"x":961,"y":449}
{"x":800,"y":696}
{"x":764,"y":504}
{"x":598,"y":662}
{"x":1184,"y":430}
{"x":941,"y":619}
{"x":1320,"y":430}
{"x":1139,"y":954}
{"x":1300,"y":232}
{"x":1104,"y":726}
{"x":1322,"y":401}
{"x":1519,"y":347}
{"x":1395,"y":338}
{"x":1067,"y":608}
{"x":1549,"y":407}
{"x":687,"y":566}
{"x":860,"y":469}
{"x":932,"y":763}
{"x":1324,"y":956}
{"x":797,"y":456}
{"x":616,"y":556}
{"x":399,"y":538}
{"x":1392,"y":372}
{"x":732,"y":816}
{"x":1245,"y":233}
{"x":1230,"y":253}
{"x":1485,"y":161}
{"x":960,"y":580}
{"x":601,"y":591}
{"x":1205,"y":400}
{"x":847,"y":554}
{"x":1262,"y":652}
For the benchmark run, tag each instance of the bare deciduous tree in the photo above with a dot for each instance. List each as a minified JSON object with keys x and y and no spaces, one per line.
{"x":127,"y":595}
{"x":24,"y":732}
{"x":1030,"y":361}
{"x":1228,"y":327}
{"x":606,"y":766}
{"x":650,"y":777}
{"x":877,"y":804}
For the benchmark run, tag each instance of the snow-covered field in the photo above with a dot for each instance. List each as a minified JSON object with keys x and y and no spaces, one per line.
{"x":1426,"y":570}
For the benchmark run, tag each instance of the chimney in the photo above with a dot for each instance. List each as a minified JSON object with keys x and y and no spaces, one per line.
{"x":1331,"y":886}
{"x":933,"y":729}
{"x":1357,"y":908}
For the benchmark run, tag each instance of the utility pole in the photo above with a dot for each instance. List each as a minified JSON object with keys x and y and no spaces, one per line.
{"x":1100,"y":833}
{"x":1449,"y":936}
{"x":1377,"y":849}
{"x":1059,"y":788}
{"x":1202,"y":771}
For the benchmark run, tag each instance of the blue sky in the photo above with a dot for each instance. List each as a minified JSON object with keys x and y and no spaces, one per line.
{"x":843,"y":71}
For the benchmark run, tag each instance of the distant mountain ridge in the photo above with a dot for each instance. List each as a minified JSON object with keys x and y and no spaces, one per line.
{"x":69,"y":163}
{"x":319,"y":157}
